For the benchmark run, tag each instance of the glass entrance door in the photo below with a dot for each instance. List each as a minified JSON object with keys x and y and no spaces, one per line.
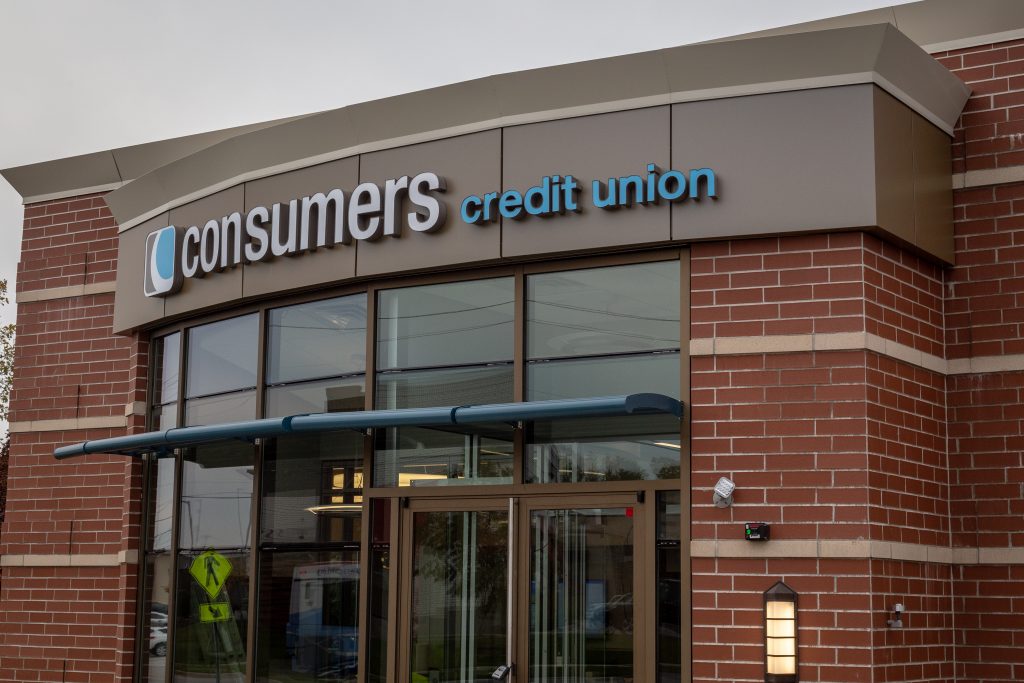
{"x":457,"y":586}
{"x":574,"y":575}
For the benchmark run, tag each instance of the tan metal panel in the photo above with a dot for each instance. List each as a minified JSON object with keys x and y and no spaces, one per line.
{"x":583,"y":84}
{"x":894,"y":166}
{"x":776,"y":58}
{"x":785,"y":162}
{"x":471,"y":164}
{"x":85,"y":172}
{"x":132,"y":307}
{"x":216,"y":288}
{"x":933,"y":196}
{"x":589,"y":148}
{"x":307,"y":268}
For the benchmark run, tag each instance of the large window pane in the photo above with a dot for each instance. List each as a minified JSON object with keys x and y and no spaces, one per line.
{"x":414,"y":456}
{"x":161,"y":499}
{"x":308,"y":616}
{"x":207,"y":650}
{"x":380,"y":569}
{"x":458,"y":323}
{"x":318,"y":339}
{"x":597,"y":311}
{"x":603,"y":449}
{"x":319,"y":396}
{"x":165,"y":362}
{"x":451,"y":387}
{"x":165,"y":416}
{"x":222,"y":356}
{"x":216,"y":497}
{"x":611,"y":376}
{"x":211,"y":410}
{"x":670,"y":625}
{"x":313,"y":488}
{"x":156,"y":597}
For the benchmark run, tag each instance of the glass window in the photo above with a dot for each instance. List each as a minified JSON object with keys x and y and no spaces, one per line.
{"x":167,"y":355}
{"x":380,"y":567}
{"x":670,"y":625}
{"x":608,"y":376}
{"x":313,"y":488}
{"x":449,"y":387}
{"x":318,"y":339}
{"x":459,"y":323}
{"x":211,"y":410}
{"x":308,"y":616}
{"x":210,"y":619}
{"x":414,"y":456}
{"x":603,"y":449}
{"x":318,"y":396}
{"x":162,"y":504}
{"x":222,"y":356}
{"x":157,"y":593}
{"x":621,"y":309}
{"x":165,"y":416}
{"x":216,"y":497}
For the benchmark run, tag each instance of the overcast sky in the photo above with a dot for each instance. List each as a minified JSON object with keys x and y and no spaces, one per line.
{"x":78,"y":77}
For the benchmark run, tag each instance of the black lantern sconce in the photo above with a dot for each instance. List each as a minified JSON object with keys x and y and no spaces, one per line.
{"x":781,"y":664}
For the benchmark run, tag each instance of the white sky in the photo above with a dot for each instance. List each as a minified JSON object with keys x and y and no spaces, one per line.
{"x":78,"y":77}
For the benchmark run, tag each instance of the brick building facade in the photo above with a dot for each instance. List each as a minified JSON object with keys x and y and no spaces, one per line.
{"x":867,"y":400}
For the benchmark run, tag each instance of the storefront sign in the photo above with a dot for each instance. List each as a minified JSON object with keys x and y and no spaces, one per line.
{"x":370,"y":211}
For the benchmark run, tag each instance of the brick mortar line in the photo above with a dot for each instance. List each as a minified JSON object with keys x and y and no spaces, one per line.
{"x":854,"y":341}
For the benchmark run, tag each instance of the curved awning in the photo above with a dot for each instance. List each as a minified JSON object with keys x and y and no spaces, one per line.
{"x":604,"y":406}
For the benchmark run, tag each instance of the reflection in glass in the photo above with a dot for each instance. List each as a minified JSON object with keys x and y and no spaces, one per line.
{"x":612,"y":376}
{"x":449,"y":387}
{"x":380,"y":572}
{"x":318,"y":396}
{"x":458,"y":323}
{"x":621,"y":309}
{"x":216,"y":497}
{"x":318,"y":339}
{"x":167,"y":352}
{"x":211,"y":410}
{"x":313,"y":488}
{"x":222,"y":356}
{"x":308,"y":616}
{"x":165,"y":416}
{"x":459,"y":595}
{"x":414,"y":456}
{"x":603,"y":449}
{"x":581,"y":597}
{"x":161,"y":504}
{"x":669,"y":587}
{"x":205,"y":650}
{"x":153,"y":654}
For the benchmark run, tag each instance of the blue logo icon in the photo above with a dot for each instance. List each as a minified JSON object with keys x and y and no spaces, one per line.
{"x":163,"y":276}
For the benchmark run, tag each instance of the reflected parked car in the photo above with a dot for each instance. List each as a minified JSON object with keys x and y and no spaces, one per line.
{"x":158,"y":640}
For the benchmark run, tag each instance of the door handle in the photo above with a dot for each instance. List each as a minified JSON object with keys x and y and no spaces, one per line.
{"x":502,"y":672}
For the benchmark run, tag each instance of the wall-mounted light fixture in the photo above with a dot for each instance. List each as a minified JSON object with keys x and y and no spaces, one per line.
{"x":723,"y":492}
{"x":780,"y":656}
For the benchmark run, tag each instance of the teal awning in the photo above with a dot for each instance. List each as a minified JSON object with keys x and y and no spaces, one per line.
{"x":605,"y":406}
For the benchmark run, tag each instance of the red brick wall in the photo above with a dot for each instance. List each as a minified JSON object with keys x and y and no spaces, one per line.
{"x":70,"y":623}
{"x":985,"y":317}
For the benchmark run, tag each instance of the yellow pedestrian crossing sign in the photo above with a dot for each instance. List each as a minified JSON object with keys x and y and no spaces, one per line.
{"x":210,"y":570}
{"x":217,"y":611}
